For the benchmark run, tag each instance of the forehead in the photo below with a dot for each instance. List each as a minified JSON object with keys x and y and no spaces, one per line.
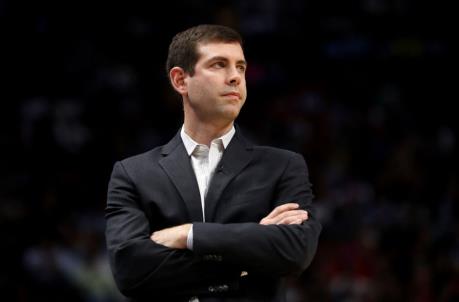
{"x":230,"y":51}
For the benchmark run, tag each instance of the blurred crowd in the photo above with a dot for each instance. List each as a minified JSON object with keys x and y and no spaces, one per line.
{"x":364,"y":97}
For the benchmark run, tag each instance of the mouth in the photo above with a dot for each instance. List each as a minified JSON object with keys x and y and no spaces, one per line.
{"x":233,"y":94}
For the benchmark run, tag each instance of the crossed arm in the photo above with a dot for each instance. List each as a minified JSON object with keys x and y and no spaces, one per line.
{"x":176,"y":237}
{"x":283,"y":242}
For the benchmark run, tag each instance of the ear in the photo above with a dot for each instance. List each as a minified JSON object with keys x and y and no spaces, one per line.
{"x":177,"y":77}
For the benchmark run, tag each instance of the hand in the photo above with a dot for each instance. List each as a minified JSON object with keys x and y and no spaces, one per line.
{"x":285,"y":214}
{"x":174,"y":237}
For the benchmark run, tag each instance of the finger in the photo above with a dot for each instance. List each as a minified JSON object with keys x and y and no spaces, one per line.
{"x":158,"y":236}
{"x":298,"y":221}
{"x":292,"y":213}
{"x":293,"y":220}
{"x":282,"y":208}
{"x":155,"y":238}
{"x":266,"y":221}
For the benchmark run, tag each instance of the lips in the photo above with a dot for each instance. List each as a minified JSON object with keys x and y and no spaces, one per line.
{"x":235,"y":94}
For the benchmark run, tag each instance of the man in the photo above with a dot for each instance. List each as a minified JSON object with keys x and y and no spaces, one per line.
{"x":209,"y":216}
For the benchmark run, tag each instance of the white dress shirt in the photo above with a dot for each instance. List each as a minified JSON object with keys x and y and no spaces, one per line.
{"x":204,"y":160}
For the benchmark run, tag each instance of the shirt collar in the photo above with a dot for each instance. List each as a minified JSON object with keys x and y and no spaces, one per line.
{"x":190,"y":144}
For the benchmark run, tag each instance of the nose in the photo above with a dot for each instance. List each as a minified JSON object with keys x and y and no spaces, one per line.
{"x":234,"y":76}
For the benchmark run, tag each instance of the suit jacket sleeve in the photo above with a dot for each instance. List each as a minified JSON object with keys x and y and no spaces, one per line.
{"x":274,"y":249}
{"x":141,"y":266}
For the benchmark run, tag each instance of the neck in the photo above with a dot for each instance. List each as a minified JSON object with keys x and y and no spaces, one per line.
{"x":204,"y":133}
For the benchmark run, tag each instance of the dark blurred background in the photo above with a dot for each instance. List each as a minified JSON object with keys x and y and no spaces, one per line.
{"x":363,"y":89}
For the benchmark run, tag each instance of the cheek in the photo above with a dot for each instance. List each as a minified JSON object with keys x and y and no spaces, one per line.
{"x":244,"y":92}
{"x":200,"y":93}
{"x":195,"y":89}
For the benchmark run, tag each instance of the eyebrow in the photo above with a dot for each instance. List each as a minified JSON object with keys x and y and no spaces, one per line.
{"x":220,"y":58}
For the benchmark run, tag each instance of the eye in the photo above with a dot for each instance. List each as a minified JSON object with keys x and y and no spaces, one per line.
{"x":219,"y":64}
{"x":241,"y":68}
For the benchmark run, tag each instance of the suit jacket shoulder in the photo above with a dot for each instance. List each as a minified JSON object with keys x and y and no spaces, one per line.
{"x":144,"y":161}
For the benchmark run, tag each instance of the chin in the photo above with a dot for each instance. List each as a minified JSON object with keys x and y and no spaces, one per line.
{"x":230,"y":115}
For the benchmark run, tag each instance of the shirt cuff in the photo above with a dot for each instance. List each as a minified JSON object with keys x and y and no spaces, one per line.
{"x":189,"y":239}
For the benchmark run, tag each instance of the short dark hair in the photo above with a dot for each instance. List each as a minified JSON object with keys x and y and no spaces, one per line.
{"x":183,"y":50}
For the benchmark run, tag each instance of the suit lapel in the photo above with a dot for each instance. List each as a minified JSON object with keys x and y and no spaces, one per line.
{"x":235,"y":157}
{"x":177,"y":166}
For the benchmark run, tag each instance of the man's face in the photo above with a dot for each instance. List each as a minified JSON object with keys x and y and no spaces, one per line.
{"x":217,"y":90}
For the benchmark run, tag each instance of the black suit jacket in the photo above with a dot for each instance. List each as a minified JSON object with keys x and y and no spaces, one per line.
{"x":158,"y":189}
